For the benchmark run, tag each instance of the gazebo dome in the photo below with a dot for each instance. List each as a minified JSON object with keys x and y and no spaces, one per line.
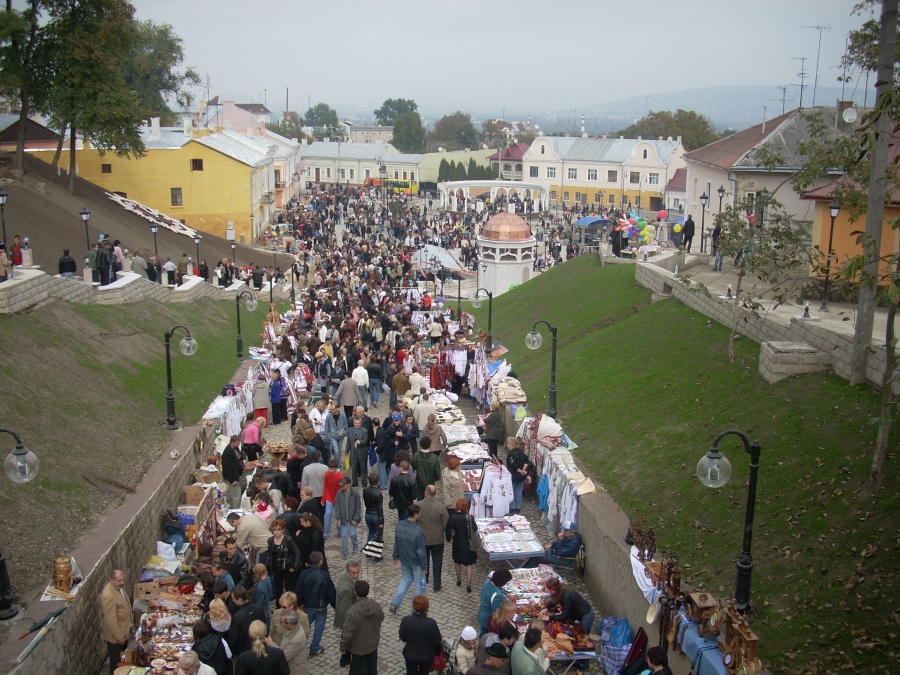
{"x":506,"y":227}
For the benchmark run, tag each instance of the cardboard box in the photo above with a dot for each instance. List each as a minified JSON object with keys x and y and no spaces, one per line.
{"x":193,"y":494}
{"x":146,"y":590}
{"x":213,"y":477}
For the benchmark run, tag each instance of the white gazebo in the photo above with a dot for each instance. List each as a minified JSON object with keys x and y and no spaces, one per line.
{"x":506,"y":254}
{"x":466,"y":192}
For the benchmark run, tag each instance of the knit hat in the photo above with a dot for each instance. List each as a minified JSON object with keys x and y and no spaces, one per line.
{"x":468,"y":633}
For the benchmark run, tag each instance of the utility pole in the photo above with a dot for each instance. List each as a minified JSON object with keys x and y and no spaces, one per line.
{"x":818,"y":53}
{"x":783,"y":89}
{"x":801,"y":75}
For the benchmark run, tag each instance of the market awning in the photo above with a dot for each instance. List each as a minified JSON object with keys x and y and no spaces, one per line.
{"x":425,"y":256}
{"x":590,"y":221}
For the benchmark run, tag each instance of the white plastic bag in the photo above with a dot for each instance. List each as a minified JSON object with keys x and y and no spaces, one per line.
{"x":165,"y":551}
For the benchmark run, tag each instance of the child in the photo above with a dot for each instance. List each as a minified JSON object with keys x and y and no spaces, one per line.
{"x":262,"y":591}
{"x":465,"y":650}
{"x":264,"y":508}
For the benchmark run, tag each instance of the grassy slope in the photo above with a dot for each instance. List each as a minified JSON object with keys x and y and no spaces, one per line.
{"x":85,"y":388}
{"x":645,"y":388}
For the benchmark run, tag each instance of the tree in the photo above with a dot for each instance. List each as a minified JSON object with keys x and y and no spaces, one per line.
{"x":409,"y":134}
{"x":19,"y":34}
{"x":324,"y":121}
{"x":457,"y":171}
{"x":392,"y":108}
{"x":443,"y":171}
{"x":86,"y":43}
{"x":772,"y":246}
{"x":454,"y":131}
{"x":492,"y":133}
{"x":150,"y":70}
{"x":695,"y":130}
{"x":289,"y":128}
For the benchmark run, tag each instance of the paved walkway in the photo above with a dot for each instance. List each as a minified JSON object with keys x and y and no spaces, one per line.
{"x":451,"y":607}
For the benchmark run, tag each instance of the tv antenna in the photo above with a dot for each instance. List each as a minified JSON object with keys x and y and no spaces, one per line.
{"x":818,"y":53}
{"x":801,"y":75}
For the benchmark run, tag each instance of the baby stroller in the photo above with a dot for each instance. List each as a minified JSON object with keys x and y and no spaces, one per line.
{"x":448,"y":649}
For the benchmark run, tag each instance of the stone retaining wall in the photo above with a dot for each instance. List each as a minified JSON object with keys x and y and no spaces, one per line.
{"x":836,"y":346}
{"x":125,"y":541}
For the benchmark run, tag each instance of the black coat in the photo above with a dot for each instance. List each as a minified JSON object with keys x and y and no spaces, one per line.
{"x":273,"y":663}
{"x":403,"y":490}
{"x":212,"y":653}
{"x":238,"y":637}
{"x":421,"y":636}
{"x":458,"y":530}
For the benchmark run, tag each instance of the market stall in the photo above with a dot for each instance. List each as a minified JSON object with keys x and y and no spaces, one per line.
{"x":508,"y":539}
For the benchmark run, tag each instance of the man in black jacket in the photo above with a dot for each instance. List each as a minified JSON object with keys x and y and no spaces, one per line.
{"x":315,"y":592}
{"x":238,"y":637}
{"x":232,"y":468}
{"x":238,"y":565}
{"x":67,"y":266}
{"x":403,"y":491}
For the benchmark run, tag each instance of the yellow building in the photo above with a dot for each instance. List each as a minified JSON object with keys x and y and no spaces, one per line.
{"x":205,"y":180}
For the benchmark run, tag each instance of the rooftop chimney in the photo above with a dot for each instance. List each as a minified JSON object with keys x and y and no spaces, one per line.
{"x":154,"y":127}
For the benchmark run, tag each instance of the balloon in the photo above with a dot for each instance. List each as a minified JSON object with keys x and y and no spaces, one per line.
{"x":632,"y":221}
{"x":663,"y":214}
{"x":677,"y":228}
{"x":641,"y":224}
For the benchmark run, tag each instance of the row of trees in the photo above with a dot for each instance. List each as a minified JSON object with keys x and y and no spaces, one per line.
{"x":459,"y":171}
{"x":92,"y":68}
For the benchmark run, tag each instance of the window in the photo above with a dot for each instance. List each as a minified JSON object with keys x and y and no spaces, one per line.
{"x":352,"y":177}
{"x":405,"y":174}
{"x":553,"y":194}
{"x":551,"y":172}
{"x":577,"y":197}
{"x":396,"y":175}
{"x":543,"y":149}
{"x":598,"y":197}
{"x":644,"y":153}
{"x":309,"y":171}
{"x":653,"y":179}
{"x":592,"y":174}
{"x":518,"y":168}
{"x":573,"y":174}
{"x":612,"y":176}
{"x":196,"y":165}
{"x":612,"y":199}
{"x":634,"y":177}
{"x":566,"y":196}
{"x":368,"y":173}
{"x":341,"y":173}
{"x":412,"y":175}
{"x":176,"y":197}
{"x":637,"y":201}
{"x":328,"y":172}
{"x":532,"y":172}
{"x":106,"y":168}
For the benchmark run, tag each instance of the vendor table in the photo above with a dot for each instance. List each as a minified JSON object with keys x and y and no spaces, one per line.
{"x":508,"y":539}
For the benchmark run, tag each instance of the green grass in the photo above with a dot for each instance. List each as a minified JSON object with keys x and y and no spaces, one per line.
{"x":644,"y":388}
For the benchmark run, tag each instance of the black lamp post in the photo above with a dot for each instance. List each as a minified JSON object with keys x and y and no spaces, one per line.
{"x":458,"y":296}
{"x":293,"y":274}
{"x":835,"y":209}
{"x":197,"y":239}
{"x":3,"y":198}
{"x":188,"y":347}
{"x":250,"y":305}
{"x":233,"y":247}
{"x":703,"y":201}
{"x":721,"y":192}
{"x":272,"y":276}
{"x":154,"y":229}
{"x":85,"y":216}
{"x":533,"y":341}
{"x":476,"y":303}
{"x":714,"y":470}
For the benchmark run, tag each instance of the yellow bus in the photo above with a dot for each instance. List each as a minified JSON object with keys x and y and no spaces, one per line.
{"x":407,"y":187}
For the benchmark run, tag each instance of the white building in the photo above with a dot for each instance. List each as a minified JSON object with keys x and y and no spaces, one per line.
{"x":506,"y":252}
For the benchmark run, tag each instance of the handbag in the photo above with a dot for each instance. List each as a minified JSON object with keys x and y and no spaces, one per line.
{"x":345,"y":660}
{"x":473,"y":541}
{"x":439,"y":662}
{"x":391,"y":504}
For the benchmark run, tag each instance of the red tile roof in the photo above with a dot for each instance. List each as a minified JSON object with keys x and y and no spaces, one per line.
{"x":726,"y":152}
{"x":678,"y":182}
{"x":513,"y":153}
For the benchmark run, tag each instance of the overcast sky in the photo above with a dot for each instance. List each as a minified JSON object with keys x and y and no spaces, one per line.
{"x":486,"y":53}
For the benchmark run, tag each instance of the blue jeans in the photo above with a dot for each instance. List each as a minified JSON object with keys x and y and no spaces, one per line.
{"x":587,"y":621}
{"x":317,"y":621}
{"x":518,"y":490}
{"x":372,"y":522}
{"x":348,"y":533}
{"x":717,"y":262}
{"x":329,"y":511}
{"x":402,"y":514}
{"x":363,"y":394}
{"x":335,"y":450}
{"x":382,"y":474}
{"x":374,"y":390}
{"x":409,"y":576}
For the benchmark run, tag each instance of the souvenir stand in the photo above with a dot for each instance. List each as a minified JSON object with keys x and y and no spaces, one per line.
{"x":166,"y":627}
{"x":508,"y":539}
{"x":464,"y":444}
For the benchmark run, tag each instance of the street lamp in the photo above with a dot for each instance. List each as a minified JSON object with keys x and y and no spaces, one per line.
{"x":714,"y":470}
{"x":476,"y":303}
{"x":835,"y":209}
{"x":233,"y":246}
{"x":197,"y":239}
{"x":85,"y":216}
{"x":721,"y":192}
{"x":188,"y":347}
{"x":251,"y":305}
{"x":21,"y":464}
{"x":154,"y":228}
{"x":703,"y":200}
{"x":3,"y":198}
{"x":533,"y":341}
{"x":272,"y":276}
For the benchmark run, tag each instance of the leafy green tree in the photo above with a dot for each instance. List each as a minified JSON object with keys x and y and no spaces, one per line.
{"x":86,"y":43}
{"x":493,"y":134}
{"x":324,"y":121}
{"x":472,"y":170}
{"x":392,"y":108}
{"x":695,"y":130}
{"x":772,"y":247}
{"x":443,"y":171}
{"x":289,"y":128}
{"x":454,"y":131}
{"x":19,"y":78}
{"x":409,"y":134}
{"x":150,"y":70}
{"x":458,"y":170}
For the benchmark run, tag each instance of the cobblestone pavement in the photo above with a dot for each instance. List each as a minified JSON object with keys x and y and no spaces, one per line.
{"x":451,"y":607}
